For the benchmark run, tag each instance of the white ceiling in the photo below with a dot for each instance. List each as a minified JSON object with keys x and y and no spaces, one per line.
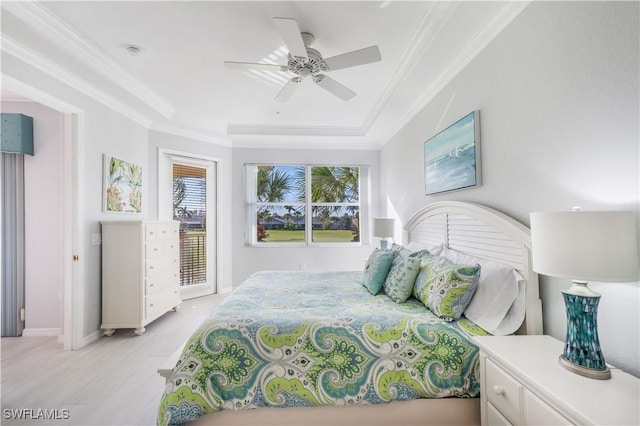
{"x":180,"y":85}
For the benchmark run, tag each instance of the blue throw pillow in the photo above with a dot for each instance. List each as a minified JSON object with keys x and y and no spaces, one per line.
{"x":376,"y":270}
{"x":402,"y":275}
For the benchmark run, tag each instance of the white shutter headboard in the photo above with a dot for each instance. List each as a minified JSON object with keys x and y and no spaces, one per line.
{"x":486,"y":233}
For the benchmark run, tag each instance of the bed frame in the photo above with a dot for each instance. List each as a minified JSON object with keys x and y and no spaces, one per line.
{"x":483,"y":232}
{"x":467,"y":227}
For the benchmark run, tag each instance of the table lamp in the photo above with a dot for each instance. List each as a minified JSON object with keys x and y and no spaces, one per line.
{"x":383,"y":228}
{"x":584,"y":246}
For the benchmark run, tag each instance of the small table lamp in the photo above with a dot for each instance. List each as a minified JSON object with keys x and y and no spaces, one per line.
{"x":584,"y":246}
{"x":383,"y":228}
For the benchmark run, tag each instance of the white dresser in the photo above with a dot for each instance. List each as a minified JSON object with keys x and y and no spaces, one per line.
{"x":140,"y":273}
{"x":522,"y":383}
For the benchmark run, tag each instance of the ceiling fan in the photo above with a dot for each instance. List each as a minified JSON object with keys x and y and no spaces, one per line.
{"x":304,"y":61}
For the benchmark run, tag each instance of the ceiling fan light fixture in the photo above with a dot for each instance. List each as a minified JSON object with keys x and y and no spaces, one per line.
{"x":305,"y":61}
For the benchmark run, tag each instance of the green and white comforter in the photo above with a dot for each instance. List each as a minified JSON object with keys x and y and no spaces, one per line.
{"x":287,"y":339}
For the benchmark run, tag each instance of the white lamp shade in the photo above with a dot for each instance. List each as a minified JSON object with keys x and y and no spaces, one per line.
{"x":383,"y":227}
{"x":586,"y":246}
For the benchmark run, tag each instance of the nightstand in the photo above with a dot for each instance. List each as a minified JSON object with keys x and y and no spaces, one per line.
{"x":522,"y":383}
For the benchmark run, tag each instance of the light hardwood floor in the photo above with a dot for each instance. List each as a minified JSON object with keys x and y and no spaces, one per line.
{"x":112,"y":381}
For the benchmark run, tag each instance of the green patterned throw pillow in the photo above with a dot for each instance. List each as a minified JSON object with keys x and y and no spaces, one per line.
{"x":376,"y":270}
{"x":446,"y":288}
{"x":402,"y":275}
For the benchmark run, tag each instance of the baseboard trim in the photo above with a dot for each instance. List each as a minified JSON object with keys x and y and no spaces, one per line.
{"x":41,"y":332}
{"x":89,"y":339}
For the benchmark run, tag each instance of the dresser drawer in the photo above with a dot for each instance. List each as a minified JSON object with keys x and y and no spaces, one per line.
{"x":150,"y":232}
{"x":155,"y":265}
{"x":172,"y":248}
{"x":159,"y":248}
{"x":158,"y":282}
{"x":154,"y":249}
{"x":503,"y":391}
{"x":537,"y":412}
{"x":167,"y":230}
{"x":160,"y":302}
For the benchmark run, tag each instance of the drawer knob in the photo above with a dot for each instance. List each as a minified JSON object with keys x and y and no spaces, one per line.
{"x":498,"y":390}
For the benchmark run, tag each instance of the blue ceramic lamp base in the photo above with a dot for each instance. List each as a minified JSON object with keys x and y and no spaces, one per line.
{"x":582,"y":354}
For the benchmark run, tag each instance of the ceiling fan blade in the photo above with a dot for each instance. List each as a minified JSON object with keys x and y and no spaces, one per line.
{"x":333,"y":87}
{"x":255,"y":66}
{"x":287,"y":90}
{"x":290,"y":33}
{"x":354,"y":58}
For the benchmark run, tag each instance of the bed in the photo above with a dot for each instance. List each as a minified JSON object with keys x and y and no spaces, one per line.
{"x":333,"y":351}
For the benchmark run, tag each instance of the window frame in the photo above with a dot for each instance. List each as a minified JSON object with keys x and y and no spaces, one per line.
{"x":251,"y":206}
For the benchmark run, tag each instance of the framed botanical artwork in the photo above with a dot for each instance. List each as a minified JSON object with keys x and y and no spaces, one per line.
{"x":122,"y":186}
{"x":452,"y":157}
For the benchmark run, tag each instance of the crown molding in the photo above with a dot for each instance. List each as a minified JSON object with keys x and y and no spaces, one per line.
{"x":428,"y":29}
{"x":36,"y":95}
{"x":499,"y":22}
{"x":314,"y":143}
{"x":257,"y":129}
{"x":208,"y":137}
{"x":48,"y":67}
{"x":58,"y":32}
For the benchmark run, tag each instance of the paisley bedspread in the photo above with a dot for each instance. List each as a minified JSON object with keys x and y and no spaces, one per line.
{"x":286,"y":339}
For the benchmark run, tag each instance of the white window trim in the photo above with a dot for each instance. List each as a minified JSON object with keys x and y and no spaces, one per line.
{"x":251,"y":170}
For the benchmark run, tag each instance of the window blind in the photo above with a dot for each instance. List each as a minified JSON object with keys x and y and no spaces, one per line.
{"x":189,"y":207}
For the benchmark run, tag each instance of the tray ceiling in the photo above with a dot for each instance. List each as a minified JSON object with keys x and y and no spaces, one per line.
{"x":178,"y":82}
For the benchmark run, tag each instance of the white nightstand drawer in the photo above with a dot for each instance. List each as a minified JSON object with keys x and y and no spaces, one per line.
{"x":503,"y":391}
{"x":545,"y":392}
{"x":494,"y":418}
{"x":537,"y":412}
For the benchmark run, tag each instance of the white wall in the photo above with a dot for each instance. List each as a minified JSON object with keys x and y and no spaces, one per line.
{"x":558,"y":96}
{"x":247,"y":260}
{"x":43,"y":215}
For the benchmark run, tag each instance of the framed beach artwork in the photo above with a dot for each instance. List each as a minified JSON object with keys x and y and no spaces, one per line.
{"x":452,"y":157}
{"x":122,"y":186}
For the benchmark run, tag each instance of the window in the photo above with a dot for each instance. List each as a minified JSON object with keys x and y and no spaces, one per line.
{"x":279,"y":197}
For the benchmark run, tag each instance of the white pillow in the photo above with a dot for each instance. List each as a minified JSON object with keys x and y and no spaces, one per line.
{"x":496,"y":293}
{"x":514,"y":318}
{"x":433,"y":250}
